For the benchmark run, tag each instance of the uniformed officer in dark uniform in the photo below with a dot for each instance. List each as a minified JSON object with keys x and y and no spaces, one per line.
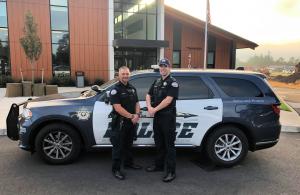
{"x":161,"y":103}
{"x":125,"y":115}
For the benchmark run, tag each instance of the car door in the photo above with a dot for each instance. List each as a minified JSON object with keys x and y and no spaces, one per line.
{"x":198,"y":109}
{"x":101,"y":119}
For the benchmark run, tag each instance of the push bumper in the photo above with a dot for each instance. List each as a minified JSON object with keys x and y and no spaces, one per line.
{"x":12,"y":122}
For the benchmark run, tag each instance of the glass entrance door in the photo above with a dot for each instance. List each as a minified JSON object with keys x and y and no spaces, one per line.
{"x":135,"y":59}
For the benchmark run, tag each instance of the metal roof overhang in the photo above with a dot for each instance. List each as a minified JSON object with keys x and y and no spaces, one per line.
{"x":140,"y":43}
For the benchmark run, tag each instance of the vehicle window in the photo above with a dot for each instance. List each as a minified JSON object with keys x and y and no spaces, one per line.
{"x":193,"y":88}
{"x":234,"y":87}
{"x":142,"y":86}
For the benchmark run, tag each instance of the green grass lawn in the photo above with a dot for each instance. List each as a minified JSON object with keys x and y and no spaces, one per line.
{"x":284,"y":107}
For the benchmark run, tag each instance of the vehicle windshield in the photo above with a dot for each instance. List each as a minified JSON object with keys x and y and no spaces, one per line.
{"x":108,"y":83}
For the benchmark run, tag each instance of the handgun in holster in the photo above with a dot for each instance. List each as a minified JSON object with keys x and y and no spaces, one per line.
{"x":116,"y":122}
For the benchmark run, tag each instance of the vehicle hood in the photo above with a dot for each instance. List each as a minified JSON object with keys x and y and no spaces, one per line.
{"x":58,"y":96}
{"x":57,"y":100}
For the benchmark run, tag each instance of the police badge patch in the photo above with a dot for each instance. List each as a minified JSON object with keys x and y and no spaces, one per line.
{"x":174,"y":84}
{"x":113,"y":92}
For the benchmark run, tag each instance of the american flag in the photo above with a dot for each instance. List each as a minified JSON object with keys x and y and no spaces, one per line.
{"x":208,"y":19}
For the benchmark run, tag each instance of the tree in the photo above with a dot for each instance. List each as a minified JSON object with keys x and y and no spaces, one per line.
{"x":31,"y":42}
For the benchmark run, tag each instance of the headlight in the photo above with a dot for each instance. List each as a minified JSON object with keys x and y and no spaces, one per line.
{"x":27,"y":114}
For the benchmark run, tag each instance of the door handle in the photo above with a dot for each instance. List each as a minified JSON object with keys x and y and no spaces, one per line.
{"x":211,"y":108}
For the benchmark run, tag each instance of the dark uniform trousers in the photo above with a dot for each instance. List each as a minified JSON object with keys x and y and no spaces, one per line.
{"x":123,"y":130}
{"x":122,"y":139}
{"x":164,"y":126}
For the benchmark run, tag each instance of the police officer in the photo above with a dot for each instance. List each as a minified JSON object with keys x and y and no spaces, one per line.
{"x":124,"y":100}
{"x":161,"y":103}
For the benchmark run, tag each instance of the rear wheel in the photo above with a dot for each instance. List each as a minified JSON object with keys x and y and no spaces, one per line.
{"x":58,"y":144}
{"x":227,"y":146}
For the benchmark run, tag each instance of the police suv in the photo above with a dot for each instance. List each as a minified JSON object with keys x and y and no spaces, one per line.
{"x":225,"y":112}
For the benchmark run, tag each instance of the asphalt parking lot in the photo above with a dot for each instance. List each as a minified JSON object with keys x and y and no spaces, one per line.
{"x":272,"y":171}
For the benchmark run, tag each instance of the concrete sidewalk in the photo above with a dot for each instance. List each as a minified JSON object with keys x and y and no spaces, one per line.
{"x":290,"y":120}
{"x":5,"y":104}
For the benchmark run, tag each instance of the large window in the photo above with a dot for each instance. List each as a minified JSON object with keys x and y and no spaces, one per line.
{"x":234,"y":87}
{"x":193,"y":88}
{"x":60,"y":37}
{"x":4,"y":47}
{"x":135,"y":19}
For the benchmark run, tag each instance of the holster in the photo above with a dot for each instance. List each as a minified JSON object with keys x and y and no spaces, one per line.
{"x":116,"y":122}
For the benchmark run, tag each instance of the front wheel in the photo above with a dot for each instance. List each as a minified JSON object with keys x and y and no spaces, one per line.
{"x":58,"y":144}
{"x":227,"y":146}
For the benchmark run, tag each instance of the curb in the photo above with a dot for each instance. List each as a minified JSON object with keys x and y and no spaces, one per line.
{"x":2,"y":132}
{"x":291,"y":129}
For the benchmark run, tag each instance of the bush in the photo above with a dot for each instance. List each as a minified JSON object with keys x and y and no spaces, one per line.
{"x":99,"y":82}
{"x":5,"y":79}
{"x":65,"y":81}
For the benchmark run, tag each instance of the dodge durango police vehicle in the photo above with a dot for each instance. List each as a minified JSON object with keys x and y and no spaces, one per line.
{"x":224,"y":112}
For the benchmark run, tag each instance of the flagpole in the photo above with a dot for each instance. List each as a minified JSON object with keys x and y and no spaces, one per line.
{"x":205,"y":39}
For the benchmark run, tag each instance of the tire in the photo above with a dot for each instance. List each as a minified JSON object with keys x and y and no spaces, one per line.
{"x":58,"y":144}
{"x":227,"y":155}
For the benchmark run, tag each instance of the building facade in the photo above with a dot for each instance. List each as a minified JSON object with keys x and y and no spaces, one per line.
{"x":98,"y":36}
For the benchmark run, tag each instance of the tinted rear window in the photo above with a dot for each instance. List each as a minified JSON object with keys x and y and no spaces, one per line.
{"x":193,"y":88}
{"x":238,"y":87}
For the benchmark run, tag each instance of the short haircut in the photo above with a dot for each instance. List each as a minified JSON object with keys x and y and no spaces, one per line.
{"x":123,"y":68}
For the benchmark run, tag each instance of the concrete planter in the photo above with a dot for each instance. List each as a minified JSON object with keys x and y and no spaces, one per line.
{"x":51,"y":89}
{"x":13,"y":90}
{"x":38,"y":89}
{"x":27,"y":88}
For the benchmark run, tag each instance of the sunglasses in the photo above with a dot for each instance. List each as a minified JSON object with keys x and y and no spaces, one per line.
{"x":163,"y":65}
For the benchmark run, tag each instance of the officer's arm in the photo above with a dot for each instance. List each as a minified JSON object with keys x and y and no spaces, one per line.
{"x":119,"y":109}
{"x":137,"y":108}
{"x":164,"y":103}
{"x":148,"y":101}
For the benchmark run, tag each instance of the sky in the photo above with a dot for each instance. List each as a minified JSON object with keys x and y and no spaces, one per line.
{"x":265,"y":22}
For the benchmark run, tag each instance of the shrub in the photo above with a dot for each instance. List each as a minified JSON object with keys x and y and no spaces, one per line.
{"x":5,"y":79}
{"x":98,"y":82}
{"x":65,"y":81}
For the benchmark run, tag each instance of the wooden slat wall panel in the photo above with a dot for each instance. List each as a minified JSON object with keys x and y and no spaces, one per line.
{"x":222,"y":54}
{"x":88,"y":37}
{"x":16,"y":10}
{"x":192,"y":42}
{"x":169,"y":37}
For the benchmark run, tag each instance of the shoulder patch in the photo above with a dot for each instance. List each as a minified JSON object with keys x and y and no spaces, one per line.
{"x":113,"y":92}
{"x":174,"y":84}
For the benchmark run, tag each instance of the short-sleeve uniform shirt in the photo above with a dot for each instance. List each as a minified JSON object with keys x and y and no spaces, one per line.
{"x":125,"y":95}
{"x":160,"y":89}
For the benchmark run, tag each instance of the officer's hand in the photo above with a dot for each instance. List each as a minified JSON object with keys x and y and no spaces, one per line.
{"x":135,"y":119}
{"x":151,"y":111}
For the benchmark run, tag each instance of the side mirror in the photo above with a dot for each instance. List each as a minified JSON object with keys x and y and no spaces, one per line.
{"x":96,"y":88}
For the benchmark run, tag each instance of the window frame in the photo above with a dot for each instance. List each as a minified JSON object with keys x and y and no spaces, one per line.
{"x":64,"y":31}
